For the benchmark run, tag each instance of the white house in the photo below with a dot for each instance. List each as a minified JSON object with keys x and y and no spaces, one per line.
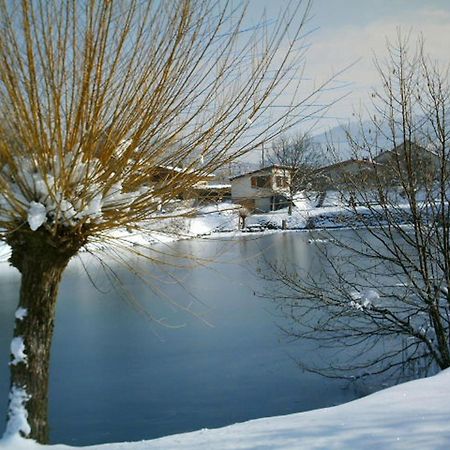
{"x":262,"y":190}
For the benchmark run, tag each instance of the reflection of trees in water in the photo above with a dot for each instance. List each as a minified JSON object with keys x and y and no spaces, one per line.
{"x":364,"y":312}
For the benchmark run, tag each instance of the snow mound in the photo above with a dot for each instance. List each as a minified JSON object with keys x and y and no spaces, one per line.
{"x":18,"y":351}
{"x":414,"y":415}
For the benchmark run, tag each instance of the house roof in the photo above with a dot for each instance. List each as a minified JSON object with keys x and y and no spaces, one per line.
{"x":263,"y":169}
{"x":348,"y":162}
{"x":183,"y":170}
{"x":399,"y":148}
{"x":214,"y":187}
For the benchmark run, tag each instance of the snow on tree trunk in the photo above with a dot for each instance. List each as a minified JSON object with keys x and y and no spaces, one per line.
{"x":41,"y":263}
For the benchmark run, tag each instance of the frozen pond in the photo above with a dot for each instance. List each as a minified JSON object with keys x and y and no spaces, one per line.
{"x":116,"y":376}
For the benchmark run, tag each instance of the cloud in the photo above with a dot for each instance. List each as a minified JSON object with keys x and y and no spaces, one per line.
{"x":334,"y":49}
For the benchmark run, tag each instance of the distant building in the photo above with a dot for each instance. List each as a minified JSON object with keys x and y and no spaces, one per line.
{"x":340,"y":183}
{"x":343,"y":174}
{"x":262,"y":190}
{"x":351,"y":181}
{"x":211,"y":192}
{"x":163,"y":177}
{"x":409,"y":158}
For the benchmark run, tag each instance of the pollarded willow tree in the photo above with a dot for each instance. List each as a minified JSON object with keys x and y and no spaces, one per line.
{"x":96,"y":97}
{"x":381,"y":294}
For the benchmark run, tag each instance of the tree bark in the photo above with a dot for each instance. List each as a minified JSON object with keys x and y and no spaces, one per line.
{"x":41,"y":263}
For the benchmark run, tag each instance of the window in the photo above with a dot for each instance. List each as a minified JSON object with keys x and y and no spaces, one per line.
{"x":281,"y":182}
{"x":261,"y":182}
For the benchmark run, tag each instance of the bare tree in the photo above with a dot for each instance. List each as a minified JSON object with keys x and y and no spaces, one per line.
{"x":300,"y":156}
{"x":379,"y":293}
{"x":96,"y":97}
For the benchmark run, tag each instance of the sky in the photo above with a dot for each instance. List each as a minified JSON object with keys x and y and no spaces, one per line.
{"x":343,"y":33}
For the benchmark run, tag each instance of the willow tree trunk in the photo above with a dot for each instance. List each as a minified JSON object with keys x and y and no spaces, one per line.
{"x":41,"y":261}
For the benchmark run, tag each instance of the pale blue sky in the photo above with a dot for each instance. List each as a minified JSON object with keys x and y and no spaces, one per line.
{"x":346,"y":31}
{"x":339,"y":13}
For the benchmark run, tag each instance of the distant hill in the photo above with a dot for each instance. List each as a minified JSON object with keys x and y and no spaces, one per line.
{"x":337,"y":148}
{"x":335,"y":143}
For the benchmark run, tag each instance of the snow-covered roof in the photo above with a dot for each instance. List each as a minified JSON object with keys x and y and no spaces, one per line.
{"x":262,"y":170}
{"x":185,"y":170}
{"x":216,"y":187}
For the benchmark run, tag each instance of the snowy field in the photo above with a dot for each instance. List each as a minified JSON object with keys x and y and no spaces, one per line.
{"x":414,"y":415}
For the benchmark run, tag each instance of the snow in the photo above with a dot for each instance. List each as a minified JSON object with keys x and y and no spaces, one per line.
{"x":214,"y":218}
{"x":216,"y":186}
{"x":302,"y":202}
{"x":66,"y":195}
{"x":37,"y":215}
{"x":21,"y":313}
{"x":364,"y":299}
{"x":319,"y":241}
{"x":18,"y":351}
{"x":414,"y":415}
{"x":279,"y":219}
{"x":17,"y":417}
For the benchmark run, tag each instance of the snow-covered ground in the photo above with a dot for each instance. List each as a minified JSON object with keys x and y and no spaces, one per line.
{"x":414,"y":415}
{"x":221,"y":219}
{"x":224,"y":217}
{"x":215,"y":218}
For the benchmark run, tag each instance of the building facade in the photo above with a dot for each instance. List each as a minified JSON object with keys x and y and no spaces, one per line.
{"x":262,"y":190}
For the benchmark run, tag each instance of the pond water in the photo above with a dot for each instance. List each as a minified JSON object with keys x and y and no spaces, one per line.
{"x":117,"y":376}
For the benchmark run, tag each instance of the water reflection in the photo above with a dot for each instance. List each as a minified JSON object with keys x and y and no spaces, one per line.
{"x":115,"y":376}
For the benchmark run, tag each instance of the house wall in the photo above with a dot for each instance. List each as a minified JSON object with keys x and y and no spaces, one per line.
{"x":242,"y":187}
{"x":277,"y":172}
{"x":257,"y":198}
{"x":347,"y":170}
{"x":424,"y":162}
{"x":341,"y":175}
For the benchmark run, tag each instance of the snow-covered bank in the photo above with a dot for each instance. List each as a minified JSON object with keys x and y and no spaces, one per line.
{"x":414,"y":415}
{"x":220,"y":218}
{"x":181,"y":224}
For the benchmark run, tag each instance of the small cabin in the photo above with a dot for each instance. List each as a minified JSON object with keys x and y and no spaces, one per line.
{"x":262,"y":190}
